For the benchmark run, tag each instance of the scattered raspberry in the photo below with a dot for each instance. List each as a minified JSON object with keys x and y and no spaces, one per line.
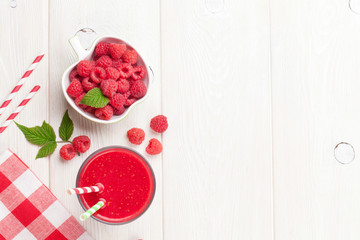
{"x":104,"y":61}
{"x":88,"y":84}
{"x":75,"y":89}
{"x":74,"y":75}
{"x":117,"y":50}
{"x":123,"y":85}
{"x":159,"y":123}
{"x":104,"y":113}
{"x":136,"y":135}
{"x":129,"y":102}
{"x":81,"y":143}
{"x":154,"y":147}
{"x":125,"y":70}
{"x":78,"y":99}
{"x":117,"y":101}
{"x":119,"y":111}
{"x":116,"y":63}
{"x":112,"y":73}
{"x":98,"y":74}
{"x":102,"y":48}
{"x":130,"y":56}
{"x":67,"y":152}
{"x":138,"y":89}
{"x":84,"y":68}
{"x":138,"y":73}
{"x":108,"y":87}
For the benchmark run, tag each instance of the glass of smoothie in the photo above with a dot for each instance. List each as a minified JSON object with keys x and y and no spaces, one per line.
{"x":128,"y":180}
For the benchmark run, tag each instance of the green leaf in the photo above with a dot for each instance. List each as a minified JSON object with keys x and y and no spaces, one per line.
{"x":49,"y":130}
{"x":46,"y":150}
{"x":95,"y":98}
{"x":66,"y":127}
{"x":36,"y":135}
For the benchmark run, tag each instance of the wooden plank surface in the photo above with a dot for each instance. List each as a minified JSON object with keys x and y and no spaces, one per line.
{"x":138,"y":23}
{"x":315,"y":72}
{"x":23,"y":36}
{"x":216,"y":93}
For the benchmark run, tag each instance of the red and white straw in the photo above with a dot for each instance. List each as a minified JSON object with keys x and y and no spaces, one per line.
{"x":19,"y":108}
{"x":20,"y":83}
{"x":81,"y":190}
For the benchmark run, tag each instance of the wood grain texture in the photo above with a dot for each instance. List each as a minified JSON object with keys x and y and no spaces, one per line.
{"x":23,"y":36}
{"x":315,"y":72}
{"x":138,"y":23}
{"x":216,"y":94}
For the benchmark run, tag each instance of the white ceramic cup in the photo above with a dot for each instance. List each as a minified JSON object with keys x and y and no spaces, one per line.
{"x":87,"y":54}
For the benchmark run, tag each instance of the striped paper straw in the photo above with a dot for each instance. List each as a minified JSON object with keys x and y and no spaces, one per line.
{"x":19,"y":108}
{"x":92,"y":210}
{"x":20,"y":83}
{"x":81,"y":190}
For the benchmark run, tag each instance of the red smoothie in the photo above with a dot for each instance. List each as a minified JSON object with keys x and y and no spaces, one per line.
{"x":129,"y":184}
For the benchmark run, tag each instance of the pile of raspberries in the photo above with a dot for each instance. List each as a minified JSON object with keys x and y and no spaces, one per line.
{"x":115,"y":71}
{"x":136,"y":135}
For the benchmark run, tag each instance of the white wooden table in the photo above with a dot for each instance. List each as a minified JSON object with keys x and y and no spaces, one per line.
{"x":257,"y":93}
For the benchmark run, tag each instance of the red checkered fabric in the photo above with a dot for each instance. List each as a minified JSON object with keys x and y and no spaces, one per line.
{"x":28,"y":210}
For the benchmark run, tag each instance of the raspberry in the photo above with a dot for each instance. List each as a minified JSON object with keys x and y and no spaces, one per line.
{"x":90,"y":109}
{"x":81,"y":143}
{"x":88,"y":84}
{"x":123,"y":85}
{"x":129,"y":102}
{"x":104,"y":113}
{"x":130,"y":56}
{"x":136,"y":135}
{"x":116,"y":63}
{"x":117,"y":101}
{"x":159,"y":123}
{"x":108,"y":87}
{"x":98,"y":74}
{"x":67,"y":152}
{"x":127,"y":94}
{"x":125,"y":70}
{"x":117,"y":50}
{"x":138,"y":89}
{"x":119,"y":111}
{"x":78,"y":99}
{"x":154,"y":147}
{"x":84,"y":68}
{"x":104,"y":61}
{"x":138,"y":73}
{"x":75,"y":89}
{"x":102,"y":48}
{"x":112,"y":73}
{"x":131,"y":82}
{"x":74,"y":75}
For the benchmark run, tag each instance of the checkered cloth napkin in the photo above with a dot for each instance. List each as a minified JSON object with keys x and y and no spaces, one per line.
{"x":28,"y":210}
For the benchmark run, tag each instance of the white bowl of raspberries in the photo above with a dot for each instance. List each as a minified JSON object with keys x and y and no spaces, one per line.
{"x":107,"y":81}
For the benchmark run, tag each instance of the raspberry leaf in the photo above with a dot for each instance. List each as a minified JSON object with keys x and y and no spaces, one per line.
{"x":95,"y":98}
{"x":37,"y":135}
{"x":46,"y":150}
{"x":66,"y":127}
{"x":49,"y":131}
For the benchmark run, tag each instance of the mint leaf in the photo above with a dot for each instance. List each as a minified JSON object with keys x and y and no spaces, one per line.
{"x":95,"y":98}
{"x":66,"y":127}
{"x":46,"y":150}
{"x":36,"y":135}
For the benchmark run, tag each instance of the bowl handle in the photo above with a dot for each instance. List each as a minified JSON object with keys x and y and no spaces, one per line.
{"x":76,"y":45}
{"x":151,"y":79}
